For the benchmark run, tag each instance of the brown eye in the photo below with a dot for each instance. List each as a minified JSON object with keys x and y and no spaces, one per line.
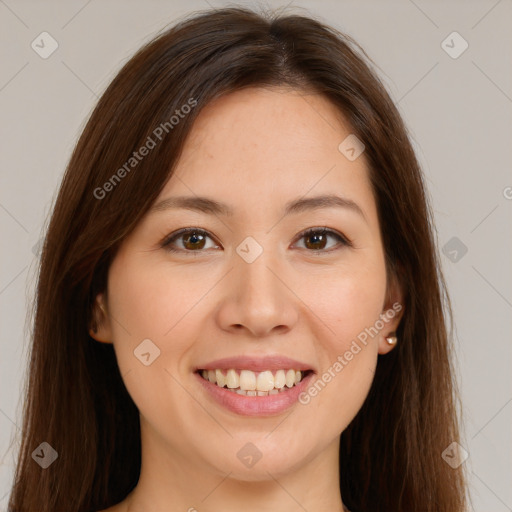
{"x":192,"y":240}
{"x":317,"y":239}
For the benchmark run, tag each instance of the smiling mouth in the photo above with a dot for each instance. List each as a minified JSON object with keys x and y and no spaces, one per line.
{"x":249,"y":383}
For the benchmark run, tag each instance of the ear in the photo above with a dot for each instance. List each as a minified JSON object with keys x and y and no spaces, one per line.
{"x":100,"y":328}
{"x":391,"y":314}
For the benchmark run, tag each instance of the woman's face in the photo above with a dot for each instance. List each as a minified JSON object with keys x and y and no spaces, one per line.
{"x":253,"y":294}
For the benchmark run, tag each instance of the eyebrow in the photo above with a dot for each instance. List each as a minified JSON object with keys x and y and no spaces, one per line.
{"x":212,"y":207}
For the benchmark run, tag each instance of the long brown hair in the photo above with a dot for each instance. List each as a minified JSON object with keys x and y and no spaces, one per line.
{"x":390,"y":455}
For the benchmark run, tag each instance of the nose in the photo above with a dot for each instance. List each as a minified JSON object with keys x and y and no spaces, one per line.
{"x":257,"y":299}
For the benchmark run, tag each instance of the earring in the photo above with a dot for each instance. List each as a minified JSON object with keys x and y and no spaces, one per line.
{"x":392,"y":340}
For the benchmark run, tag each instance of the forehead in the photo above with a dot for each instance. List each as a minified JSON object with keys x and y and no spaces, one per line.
{"x":271,"y":145}
{"x":266,"y":122}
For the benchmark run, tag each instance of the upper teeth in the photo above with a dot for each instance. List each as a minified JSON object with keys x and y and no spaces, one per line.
{"x":248,"y":380}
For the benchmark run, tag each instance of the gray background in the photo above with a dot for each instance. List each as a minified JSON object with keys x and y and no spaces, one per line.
{"x":459,"y":114}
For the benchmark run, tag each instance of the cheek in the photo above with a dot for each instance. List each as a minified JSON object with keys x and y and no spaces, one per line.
{"x":349,"y":307}
{"x":147,"y":302}
{"x":349,"y":303}
{"x":150,"y":302}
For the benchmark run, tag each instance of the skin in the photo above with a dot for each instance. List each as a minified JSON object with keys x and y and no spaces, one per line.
{"x":255,"y":150}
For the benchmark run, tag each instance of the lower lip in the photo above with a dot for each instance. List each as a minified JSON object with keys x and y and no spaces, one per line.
{"x":255,"y":405}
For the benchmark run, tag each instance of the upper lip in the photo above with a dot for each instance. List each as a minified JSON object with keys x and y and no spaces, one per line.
{"x":256,"y":363}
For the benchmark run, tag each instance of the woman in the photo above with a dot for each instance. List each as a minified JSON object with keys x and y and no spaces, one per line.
{"x":299,"y":359}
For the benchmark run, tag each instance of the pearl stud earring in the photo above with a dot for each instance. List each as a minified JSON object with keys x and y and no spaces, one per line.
{"x":392,"y":340}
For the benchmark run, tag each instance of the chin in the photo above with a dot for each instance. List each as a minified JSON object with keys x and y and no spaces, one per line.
{"x":255,"y":459}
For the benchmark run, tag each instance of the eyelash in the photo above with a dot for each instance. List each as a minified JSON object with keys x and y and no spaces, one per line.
{"x":344,"y":241}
